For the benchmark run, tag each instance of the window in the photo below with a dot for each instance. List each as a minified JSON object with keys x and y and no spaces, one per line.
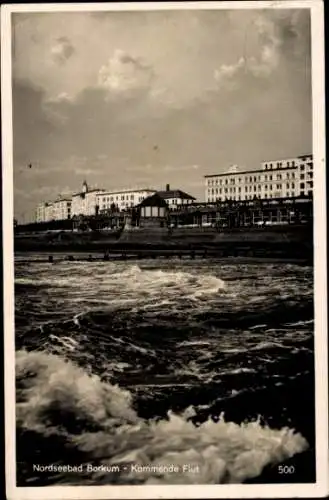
{"x":270,"y":178}
{"x":310,"y":175}
{"x":270,"y":187}
{"x":302,"y":176}
{"x":266,"y":177}
{"x":293,"y":175}
{"x":292,"y":185}
{"x":265,"y":187}
{"x":288,"y":185}
{"x":288,"y":194}
{"x":288,"y":163}
{"x":302,"y":185}
{"x":271,"y":165}
{"x":293,"y":163}
{"x":259,"y":187}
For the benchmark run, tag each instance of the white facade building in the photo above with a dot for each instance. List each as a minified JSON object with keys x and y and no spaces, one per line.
{"x":40,"y":212}
{"x":44,"y":212}
{"x":122,"y":199}
{"x":275,"y":179}
{"x":56,"y":210}
{"x":62,"y":209}
{"x":85,"y":202}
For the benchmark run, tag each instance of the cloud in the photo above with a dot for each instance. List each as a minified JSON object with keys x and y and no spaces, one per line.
{"x":123,"y":73}
{"x":262,"y":54}
{"x":62,"y":50}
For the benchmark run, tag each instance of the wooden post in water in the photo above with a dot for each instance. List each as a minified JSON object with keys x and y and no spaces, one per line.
{"x":50,"y":258}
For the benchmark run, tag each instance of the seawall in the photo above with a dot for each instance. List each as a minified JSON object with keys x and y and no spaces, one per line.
{"x":295,"y":242}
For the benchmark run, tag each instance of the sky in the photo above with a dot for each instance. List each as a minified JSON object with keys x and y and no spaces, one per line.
{"x":139,"y":99}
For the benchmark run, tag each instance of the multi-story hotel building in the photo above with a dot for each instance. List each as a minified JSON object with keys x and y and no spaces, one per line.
{"x":62,"y":209}
{"x":55,"y":210}
{"x":275,"y":179}
{"x":85,"y":202}
{"x":44,"y":212}
{"x":121,"y":199}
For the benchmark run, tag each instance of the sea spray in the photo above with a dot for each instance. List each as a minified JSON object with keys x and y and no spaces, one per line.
{"x":218,"y":452}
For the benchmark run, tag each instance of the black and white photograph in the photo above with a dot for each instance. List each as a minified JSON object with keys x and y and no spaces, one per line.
{"x":164,"y":242}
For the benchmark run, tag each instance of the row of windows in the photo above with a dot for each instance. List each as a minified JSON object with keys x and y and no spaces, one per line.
{"x":249,"y":197}
{"x":278,"y":164}
{"x":254,"y":188}
{"x":111,"y":199}
{"x":290,"y":163}
{"x":251,"y":179}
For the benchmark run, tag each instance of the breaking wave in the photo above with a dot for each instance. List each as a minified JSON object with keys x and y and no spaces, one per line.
{"x":56,"y":397}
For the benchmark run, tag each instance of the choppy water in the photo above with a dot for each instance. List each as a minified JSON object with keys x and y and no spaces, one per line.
{"x":155,"y":363}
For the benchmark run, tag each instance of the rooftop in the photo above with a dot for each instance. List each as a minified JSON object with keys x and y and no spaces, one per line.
{"x":175,"y":193}
{"x":154,"y":201}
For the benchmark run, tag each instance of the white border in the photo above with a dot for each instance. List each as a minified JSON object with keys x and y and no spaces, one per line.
{"x":321,"y":487}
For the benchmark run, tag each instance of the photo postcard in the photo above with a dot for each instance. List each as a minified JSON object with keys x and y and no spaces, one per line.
{"x":164,"y":242}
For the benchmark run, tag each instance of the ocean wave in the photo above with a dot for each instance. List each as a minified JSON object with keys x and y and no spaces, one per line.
{"x":166,"y":280}
{"x":50,"y":389}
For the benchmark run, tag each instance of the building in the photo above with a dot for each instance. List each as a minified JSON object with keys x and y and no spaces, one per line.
{"x":40,"y":213}
{"x":85,"y":202}
{"x":287,"y":178}
{"x":61,"y":209}
{"x":56,"y":210}
{"x":175,"y":197}
{"x":44,"y":212}
{"x":122,"y":200}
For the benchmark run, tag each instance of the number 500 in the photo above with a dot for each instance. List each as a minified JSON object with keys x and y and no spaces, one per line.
{"x":286,"y":469}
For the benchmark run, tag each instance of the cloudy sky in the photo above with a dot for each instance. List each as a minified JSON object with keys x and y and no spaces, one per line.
{"x":141,"y":99}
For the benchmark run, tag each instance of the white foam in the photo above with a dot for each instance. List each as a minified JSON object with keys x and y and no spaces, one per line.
{"x":223,"y":452}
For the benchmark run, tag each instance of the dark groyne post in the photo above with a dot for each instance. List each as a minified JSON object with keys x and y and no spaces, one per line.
{"x":106,"y":255}
{"x":51,"y":259}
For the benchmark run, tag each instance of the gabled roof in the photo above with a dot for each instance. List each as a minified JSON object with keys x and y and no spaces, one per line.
{"x":154,"y":201}
{"x":175,"y":193}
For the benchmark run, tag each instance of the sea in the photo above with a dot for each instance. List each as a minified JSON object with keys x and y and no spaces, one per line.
{"x":201,"y":366}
